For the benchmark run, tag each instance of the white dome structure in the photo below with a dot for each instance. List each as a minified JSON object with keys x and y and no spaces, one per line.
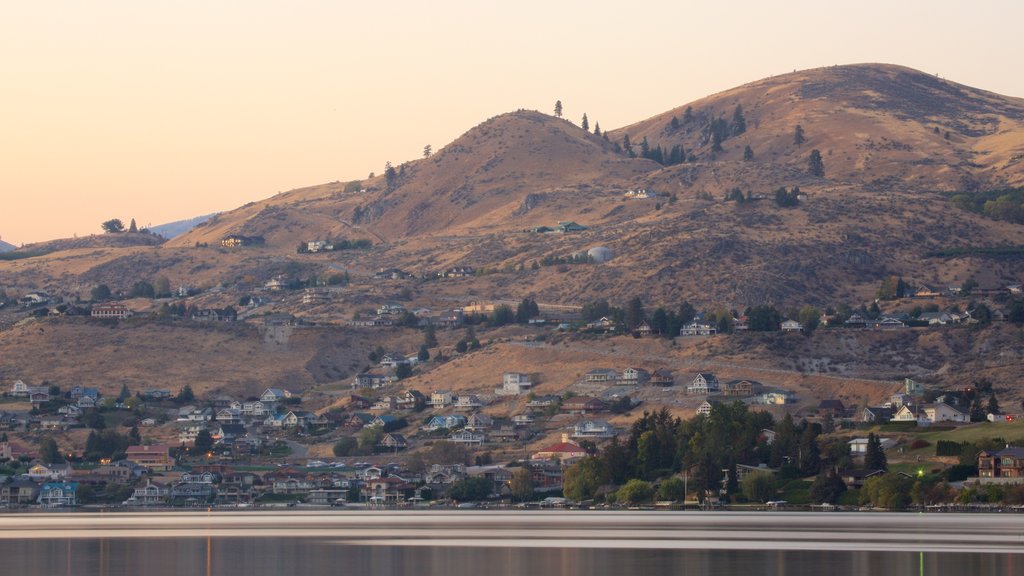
{"x":600,"y":254}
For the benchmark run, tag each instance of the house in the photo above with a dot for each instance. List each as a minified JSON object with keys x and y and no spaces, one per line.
{"x":890,"y":323}
{"x":459,"y":272}
{"x":385,"y":403}
{"x":926,"y":292}
{"x":19,"y":389}
{"x":859,"y":446}
{"x":741,"y":388}
{"x":390,"y":309}
{"x":445,"y":422}
{"x":478,"y":422}
{"x":58,"y":494}
{"x":311,"y":296}
{"x":271,"y":395}
{"x":564,"y":451}
{"x":394,"y":442}
{"x":441,"y":398}
{"x":440,"y":474}
{"x":777,"y":397}
{"x":635,"y":376}
{"x":384,"y":420}
{"x":593,"y":429}
{"x":359,"y":402}
{"x":935,"y":318}
{"x":601,"y":324}
{"x":12,"y":450}
{"x":583,"y":405}
{"x":359,"y":420}
{"x":393,"y":359}
{"x":791,"y":326}
{"x":38,"y":394}
{"x":468,"y":438}
{"x":942,"y":412}
{"x":662,"y":377}
{"x":644,"y":329}
{"x":707,"y":406}
{"x":411,"y":400}
{"x":371,"y":322}
{"x":698,"y":328}
{"x":374,"y":379}
{"x":391,"y":274}
{"x":873,"y":414}
{"x":524,"y":419}
{"x":114,"y":310}
{"x":468,"y":403}
{"x":42,"y":471}
{"x":1005,"y":463}
{"x":601,"y":375}
{"x":542,"y":402}
{"x":19,"y":492}
{"x":229,"y":416}
{"x":831,"y":406}
{"x":904,"y":414}
{"x":255,"y":408}
{"x":855,"y":478}
{"x":152,"y":494}
{"x":156,"y":457}
{"x":913,"y":388}
{"x":509,"y":433}
{"x":705,"y":383}
{"x":86,"y":402}
{"x":897,"y":400}
{"x":514,"y":383}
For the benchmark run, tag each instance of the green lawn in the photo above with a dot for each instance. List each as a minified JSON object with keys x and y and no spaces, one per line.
{"x":1012,"y":432}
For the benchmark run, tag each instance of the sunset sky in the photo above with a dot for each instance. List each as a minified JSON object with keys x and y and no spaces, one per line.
{"x":164,"y":110}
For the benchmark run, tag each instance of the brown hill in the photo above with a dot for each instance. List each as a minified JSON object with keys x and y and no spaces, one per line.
{"x":876,"y":125}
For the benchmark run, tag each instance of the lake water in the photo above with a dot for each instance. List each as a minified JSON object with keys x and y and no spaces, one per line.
{"x":495,"y":544}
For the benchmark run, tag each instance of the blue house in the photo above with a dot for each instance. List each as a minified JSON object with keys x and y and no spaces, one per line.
{"x":58,"y":494}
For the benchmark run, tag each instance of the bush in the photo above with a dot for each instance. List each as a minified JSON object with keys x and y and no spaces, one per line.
{"x":949,"y":448}
{"x":635,"y":492}
{"x":920,"y":443}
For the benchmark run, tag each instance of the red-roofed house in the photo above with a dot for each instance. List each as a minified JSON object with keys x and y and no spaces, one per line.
{"x":564,"y":450}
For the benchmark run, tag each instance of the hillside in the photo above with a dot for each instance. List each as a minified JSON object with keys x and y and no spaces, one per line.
{"x":877,"y":126}
{"x":5,"y":247}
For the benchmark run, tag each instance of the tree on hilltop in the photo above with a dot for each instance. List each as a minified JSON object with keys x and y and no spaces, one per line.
{"x":427,"y":151}
{"x":132,"y":227}
{"x":585,"y":124}
{"x":113,"y":226}
{"x":798,"y":135}
{"x":558,"y":108}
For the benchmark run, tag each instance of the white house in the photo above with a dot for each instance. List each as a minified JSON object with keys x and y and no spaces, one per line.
{"x":513,"y":383}
{"x":792,"y":326}
{"x":942,"y":412}
{"x":696,"y":328}
{"x":704,"y":383}
{"x":441,"y":398}
{"x":593,"y":429}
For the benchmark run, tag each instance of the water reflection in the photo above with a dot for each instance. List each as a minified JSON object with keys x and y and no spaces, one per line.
{"x":251,"y":556}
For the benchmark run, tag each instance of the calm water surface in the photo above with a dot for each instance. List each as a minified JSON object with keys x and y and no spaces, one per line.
{"x":494,"y":544}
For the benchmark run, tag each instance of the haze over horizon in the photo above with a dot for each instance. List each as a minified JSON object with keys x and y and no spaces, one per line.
{"x":163,"y":112}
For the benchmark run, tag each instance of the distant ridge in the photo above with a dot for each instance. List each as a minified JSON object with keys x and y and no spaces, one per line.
{"x":177,"y":228}
{"x":5,"y":247}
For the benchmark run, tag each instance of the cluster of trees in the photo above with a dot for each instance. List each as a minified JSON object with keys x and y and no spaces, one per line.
{"x":551,"y":260}
{"x":116,"y":226}
{"x":182,"y":310}
{"x":667,"y":323}
{"x":788,"y":198}
{"x":1006,"y":204}
{"x":159,"y":288}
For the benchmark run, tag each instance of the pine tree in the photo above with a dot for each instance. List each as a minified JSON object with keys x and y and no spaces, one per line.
{"x":427,"y":151}
{"x":874,"y":456}
{"x":815,"y":166}
{"x":430,"y":337}
{"x":993,"y":405}
{"x":739,"y":123}
{"x":798,"y":135}
{"x":558,"y":108}
{"x":748,"y":153}
{"x":132,"y":227}
{"x":597,"y":128}
{"x":585,"y":124}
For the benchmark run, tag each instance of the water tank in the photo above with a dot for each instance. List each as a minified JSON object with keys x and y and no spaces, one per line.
{"x":600,"y":254}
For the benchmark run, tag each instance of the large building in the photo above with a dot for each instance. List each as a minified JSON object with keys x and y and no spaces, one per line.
{"x":157,"y":457}
{"x":111,"y":310}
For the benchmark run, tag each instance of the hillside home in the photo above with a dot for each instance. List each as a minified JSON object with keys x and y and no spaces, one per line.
{"x":113,"y":310}
{"x":583,"y":405}
{"x":385,"y":403}
{"x":777,"y":397}
{"x":255,"y":408}
{"x":393,"y":359}
{"x":873,"y":414}
{"x":390,"y":308}
{"x":459,"y":272}
{"x":152,"y":494}
{"x":913,"y":388}
{"x":859,"y":446}
{"x":565,"y":451}
{"x":831,"y":406}
{"x":601,"y":375}
{"x":271,"y":395}
{"x":1005,"y":463}
{"x":514,"y":383}
{"x":593,"y":429}
{"x":741,"y":388}
{"x":468,"y":403}
{"x":697,"y":328}
{"x":445,"y":422}
{"x":542,"y":402}
{"x":410,"y":400}
{"x":705,"y":383}
{"x":941,"y":412}
{"x":374,"y":379}
{"x":19,"y":492}
{"x":42,"y":471}
{"x":707,"y":406}
{"x":479,"y":422}
{"x":662,"y":377}
{"x":468,"y":438}
{"x":394,"y":442}
{"x":601,"y":324}
{"x":391,"y":274}
{"x":441,"y":398}
{"x":635,"y":376}
{"x":905,"y":413}
{"x":791,"y":326}
{"x":644,"y":329}
{"x":19,"y":389}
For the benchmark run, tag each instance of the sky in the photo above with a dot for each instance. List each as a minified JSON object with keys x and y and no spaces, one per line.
{"x":161,"y":110}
